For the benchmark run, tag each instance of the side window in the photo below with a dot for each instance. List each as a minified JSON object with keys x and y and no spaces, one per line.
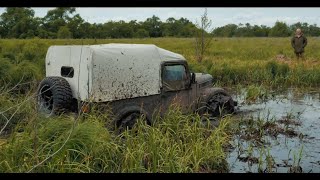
{"x":67,"y":71}
{"x":174,"y":77}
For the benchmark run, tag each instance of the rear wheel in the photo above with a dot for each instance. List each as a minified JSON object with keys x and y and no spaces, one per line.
{"x":129,"y":119}
{"x":54,"y":96}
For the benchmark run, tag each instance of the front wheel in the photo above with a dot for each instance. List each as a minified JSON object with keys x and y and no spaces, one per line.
{"x":218,"y":103}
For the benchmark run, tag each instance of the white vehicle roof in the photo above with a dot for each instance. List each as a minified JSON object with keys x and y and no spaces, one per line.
{"x":112,"y":71}
{"x":136,"y":50}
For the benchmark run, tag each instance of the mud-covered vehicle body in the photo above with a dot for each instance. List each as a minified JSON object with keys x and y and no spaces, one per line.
{"x":134,"y":79}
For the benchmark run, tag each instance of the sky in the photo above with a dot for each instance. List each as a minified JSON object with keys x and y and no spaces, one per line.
{"x":219,"y":16}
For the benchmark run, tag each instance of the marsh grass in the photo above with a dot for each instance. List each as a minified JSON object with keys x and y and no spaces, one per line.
{"x":231,"y":61}
{"x":173,"y":143}
{"x":297,"y":156}
{"x":254,"y":93}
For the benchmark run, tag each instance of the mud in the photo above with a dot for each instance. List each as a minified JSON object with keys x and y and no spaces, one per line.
{"x":280,"y":134}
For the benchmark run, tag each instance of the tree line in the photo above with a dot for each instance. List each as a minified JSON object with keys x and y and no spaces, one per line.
{"x":21,"y":23}
{"x":280,"y":29}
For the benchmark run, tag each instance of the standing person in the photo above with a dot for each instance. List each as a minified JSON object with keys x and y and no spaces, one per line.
{"x":298,"y":42}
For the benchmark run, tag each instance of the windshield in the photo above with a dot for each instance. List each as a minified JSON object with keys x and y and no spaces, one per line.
{"x":174,"y":77}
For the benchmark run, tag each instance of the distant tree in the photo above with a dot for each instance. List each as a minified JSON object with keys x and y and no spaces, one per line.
{"x":309,"y":30}
{"x":170,"y":27}
{"x":21,"y":23}
{"x":141,"y":33}
{"x":265,"y":30}
{"x":124,"y":29}
{"x":57,"y":18}
{"x":74,"y":23}
{"x":43,"y":33}
{"x":293,"y":27}
{"x":228,"y":30}
{"x":18,"y":23}
{"x":153,"y":26}
{"x":203,"y":36}
{"x":314,"y":30}
{"x":84,"y":30}
{"x":280,"y":29}
{"x":119,"y":29}
{"x":244,"y":31}
{"x":64,"y":33}
{"x":188,"y":30}
{"x":60,"y":13}
{"x":98,"y":31}
{"x":135,"y":26}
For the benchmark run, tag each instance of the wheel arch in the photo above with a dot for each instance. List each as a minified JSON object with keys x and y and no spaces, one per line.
{"x":128,"y":109}
{"x":209,"y":92}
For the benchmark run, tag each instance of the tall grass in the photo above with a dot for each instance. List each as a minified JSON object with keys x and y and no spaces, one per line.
{"x":174,"y":143}
{"x":15,"y":109}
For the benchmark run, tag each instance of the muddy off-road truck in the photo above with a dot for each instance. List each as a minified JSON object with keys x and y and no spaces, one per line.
{"x":133,"y":79}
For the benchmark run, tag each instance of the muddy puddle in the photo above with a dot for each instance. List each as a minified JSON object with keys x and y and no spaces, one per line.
{"x":279,"y":134}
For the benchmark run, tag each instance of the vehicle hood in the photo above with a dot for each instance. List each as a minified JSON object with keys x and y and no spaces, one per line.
{"x":202,"y":78}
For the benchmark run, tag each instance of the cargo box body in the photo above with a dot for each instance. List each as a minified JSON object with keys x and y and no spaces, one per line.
{"x":109,"y":72}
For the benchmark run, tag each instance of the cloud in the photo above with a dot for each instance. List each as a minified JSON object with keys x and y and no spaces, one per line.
{"x":244,"y":17}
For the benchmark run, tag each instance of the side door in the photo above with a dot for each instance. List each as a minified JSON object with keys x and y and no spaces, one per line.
{"x":176,"y":83}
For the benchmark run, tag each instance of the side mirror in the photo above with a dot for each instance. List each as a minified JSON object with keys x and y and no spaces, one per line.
{"x":193,"y":78}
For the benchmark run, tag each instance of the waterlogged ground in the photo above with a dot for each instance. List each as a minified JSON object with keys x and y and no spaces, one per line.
{"x":277,"y":134}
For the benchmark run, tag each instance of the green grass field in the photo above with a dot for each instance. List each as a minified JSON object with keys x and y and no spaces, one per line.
{"x":232,"y":61}
{"x":176,"y":143}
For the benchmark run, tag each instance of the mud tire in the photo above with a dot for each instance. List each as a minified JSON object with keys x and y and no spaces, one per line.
{"x":218,"y":103}
{"x":54,"y":96}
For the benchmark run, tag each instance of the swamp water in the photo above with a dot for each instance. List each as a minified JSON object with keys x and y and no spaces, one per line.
{"x":296,"y":148}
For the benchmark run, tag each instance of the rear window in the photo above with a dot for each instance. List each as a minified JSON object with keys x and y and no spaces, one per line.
{"x":67,"y":71}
